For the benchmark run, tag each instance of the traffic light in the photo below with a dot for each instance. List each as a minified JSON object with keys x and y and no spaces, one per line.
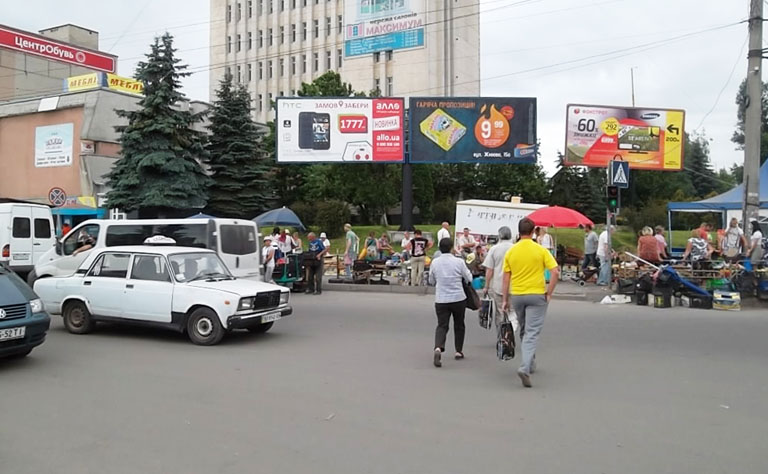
{"x":612,"y":198}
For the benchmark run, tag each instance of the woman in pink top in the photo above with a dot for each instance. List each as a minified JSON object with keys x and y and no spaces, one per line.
{"x":662,"y":242}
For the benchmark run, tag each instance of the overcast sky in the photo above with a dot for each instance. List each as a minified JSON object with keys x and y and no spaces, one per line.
{"x":580,"y":51}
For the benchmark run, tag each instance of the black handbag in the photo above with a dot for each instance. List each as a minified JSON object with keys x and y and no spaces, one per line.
{"x":473,"y":299}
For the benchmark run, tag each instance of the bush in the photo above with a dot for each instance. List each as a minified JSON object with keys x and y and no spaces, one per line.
{"x":330,"y":217}
{"x":306,"y":212}
{"x":444,"y":211}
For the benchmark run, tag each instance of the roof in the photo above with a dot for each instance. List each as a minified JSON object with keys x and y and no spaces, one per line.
{"x":731,"y":199}
{"x":502,"y":204}
{"x":156,"y":249}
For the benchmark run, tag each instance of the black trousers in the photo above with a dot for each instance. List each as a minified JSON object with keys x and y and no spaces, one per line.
{"x":444,"y":312}
{"x":315,"y":280}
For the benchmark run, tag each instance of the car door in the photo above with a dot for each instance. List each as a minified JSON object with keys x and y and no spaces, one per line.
{"x":71,"y":261}
{"x":104,"y":284}
{"x":149,"y":290}
{"x":42,"y":233}
{"x":21,"y":236}
{"x":238,"y":248}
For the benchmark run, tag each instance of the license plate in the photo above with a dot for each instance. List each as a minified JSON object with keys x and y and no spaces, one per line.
{"x":12,"y":333}
{"x":21,"y":256}
{"x":269,"y":317}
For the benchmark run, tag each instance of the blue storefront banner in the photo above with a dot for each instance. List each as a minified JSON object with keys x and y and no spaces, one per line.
{"x":391,"y":41}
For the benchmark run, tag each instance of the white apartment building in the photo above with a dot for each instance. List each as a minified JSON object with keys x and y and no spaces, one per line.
{"x":273,"y":46}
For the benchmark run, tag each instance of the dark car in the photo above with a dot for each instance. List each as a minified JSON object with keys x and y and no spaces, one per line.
{"x":23,"y":321}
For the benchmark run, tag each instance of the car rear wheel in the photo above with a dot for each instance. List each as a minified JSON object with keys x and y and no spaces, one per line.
{"x":204,"y":327}
{"x":261,"y":328}
{"x":77,"y":318}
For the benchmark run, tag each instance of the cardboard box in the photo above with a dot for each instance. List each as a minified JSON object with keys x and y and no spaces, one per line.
{"x":727,"y":301}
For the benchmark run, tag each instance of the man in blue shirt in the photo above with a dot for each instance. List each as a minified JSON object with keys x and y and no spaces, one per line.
{"x":316,"y":264}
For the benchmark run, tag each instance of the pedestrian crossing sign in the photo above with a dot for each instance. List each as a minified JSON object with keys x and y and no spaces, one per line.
{"x":620,"y":174}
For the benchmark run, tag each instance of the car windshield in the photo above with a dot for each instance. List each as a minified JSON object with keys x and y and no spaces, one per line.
{"x":198,"y":266}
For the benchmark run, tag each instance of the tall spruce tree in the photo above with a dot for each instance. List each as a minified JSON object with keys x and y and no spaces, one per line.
{"x":236,"y":159}
{"x":158,"y":172}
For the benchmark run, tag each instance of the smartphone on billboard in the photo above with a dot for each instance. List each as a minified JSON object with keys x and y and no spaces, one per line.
{"x":321,"y":131}
{"x":305,"y":130}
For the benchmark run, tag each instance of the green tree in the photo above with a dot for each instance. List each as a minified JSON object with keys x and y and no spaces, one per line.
{"x":738,"y":134}
{"x":698,"y":167}
{"x":158,"y":172}
{"x":236,"y":158}
{"x":579,"y":188}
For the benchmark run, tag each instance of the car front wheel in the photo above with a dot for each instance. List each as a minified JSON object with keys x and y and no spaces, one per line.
{"x":261,"y":328}
{"x":204,"y":328}
{"x":77,"y":318}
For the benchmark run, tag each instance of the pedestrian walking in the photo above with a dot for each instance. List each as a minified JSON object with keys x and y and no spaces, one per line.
{"x":444,"y":232}
{"x":590,"y":248}
{"x":605,"y":255}
{"x":316,"y":264}
{"x":268,"y":257}
{"x":418,"y":249}
{"x":524,"y":266}
{"x":448,"y":272}
{"x":494,"y":275}
{"x":350,"y":251}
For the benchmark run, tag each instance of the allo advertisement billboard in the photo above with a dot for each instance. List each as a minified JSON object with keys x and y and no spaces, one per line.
{"x":348,"y":130}
{"x":381,"y":25}
{"x":472,"y":130}
{"x":646,"y":138}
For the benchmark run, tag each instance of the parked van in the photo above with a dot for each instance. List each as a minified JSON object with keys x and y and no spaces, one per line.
{"x":26,"y":234}
{"x":236,"y":242}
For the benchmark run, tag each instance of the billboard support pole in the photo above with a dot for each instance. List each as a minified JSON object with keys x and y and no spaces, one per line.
{"x":406,"y":222}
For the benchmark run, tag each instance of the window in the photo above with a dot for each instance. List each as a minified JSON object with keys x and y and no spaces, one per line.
{"x":282,"y":94}
{"x":293,"y":65}
{"x":317,"y":1}
{"x":250,"y":8}
{"x":110,"y":265}
{"x":42,"y":229}
{"x":250,"y":39}
{"x":227,"y":71}
{"x":293,"y":92}
{"x":327,"y":60}
{"x":282,"y":67}
{"x":229,"y":44}
{"x":339,"y":24}
{"x":238,"y":239}
{"x":21,"y":228}
{"x":304,"y":31}
{"x":293,"y":33}
{"x":261,"y":39}
{"x":316,"y":28}
{"x":376,"y":57}
{"x":239,"y":42}
{"x":389,"y":55}
{"x":304,"y":3}
{"x":239,"y":74}
{"x":269,"y":37}
{"x":270,"y":5}
{"x":377,"y":85}
{"x":269,"y":69}
{"x":282,"y":5}
{"x":315,"y":62}
{"x":261,"y":102}
{"x":260,"y":7}
{"x":293,"y":3}
{"x":390,"y":86}
{"x":149,"y":268}
{"x":229,"y":13}
{"x":239,"y":11}
{"x":78,"y":239}
{"x":185,"y":235}
{"x":249,"y":69}
{"x":327,"y":26}
{"x":261,"y":70}
{"x":339,"y":58}
{"x":270,"y":100}
{"x":282,"y":35}
{"x":303,"y":63}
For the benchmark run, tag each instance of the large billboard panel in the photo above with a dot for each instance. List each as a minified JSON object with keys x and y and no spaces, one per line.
{"x":381,"y":25}
{"x":472,"y":130}
{"x":350,"y":130}
{"x":646,"y":138}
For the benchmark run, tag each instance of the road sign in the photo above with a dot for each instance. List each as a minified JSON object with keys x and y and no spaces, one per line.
{"x":620,"y":174}
{"x":57,"y":197}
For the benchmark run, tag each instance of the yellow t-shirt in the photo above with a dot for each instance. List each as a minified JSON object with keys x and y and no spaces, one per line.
{"x":526,"y":261}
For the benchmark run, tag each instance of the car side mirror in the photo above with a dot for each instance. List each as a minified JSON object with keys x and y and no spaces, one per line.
{"x":58,"y":246}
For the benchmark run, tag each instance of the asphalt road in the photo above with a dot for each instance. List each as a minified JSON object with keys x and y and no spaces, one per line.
{"x":347,"y":385}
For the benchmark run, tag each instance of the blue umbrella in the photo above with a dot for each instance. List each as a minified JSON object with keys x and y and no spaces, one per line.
{"x":200,"y":215}
{"x":279,"y":217}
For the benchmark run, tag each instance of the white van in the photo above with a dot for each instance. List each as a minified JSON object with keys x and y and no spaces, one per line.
{"x":235,"y":240}
{"x":26,"y":234}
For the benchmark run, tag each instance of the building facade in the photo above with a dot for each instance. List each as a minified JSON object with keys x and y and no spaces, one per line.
{"x":398,"y":47}
{"x":35,"y":64}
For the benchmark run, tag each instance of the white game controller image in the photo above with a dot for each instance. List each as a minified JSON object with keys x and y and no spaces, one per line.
{"x":358,"y":151}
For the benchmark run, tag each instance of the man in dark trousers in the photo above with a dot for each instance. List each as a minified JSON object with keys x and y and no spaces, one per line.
{"x":316,"y":264}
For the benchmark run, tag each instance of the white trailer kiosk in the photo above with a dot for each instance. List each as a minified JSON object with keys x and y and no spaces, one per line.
{"x":483,"y":218}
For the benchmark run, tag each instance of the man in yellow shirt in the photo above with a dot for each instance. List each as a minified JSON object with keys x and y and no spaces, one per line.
{"x":524,"y":266}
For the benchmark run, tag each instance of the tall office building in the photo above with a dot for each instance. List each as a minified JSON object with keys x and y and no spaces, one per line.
{"x":400,"y":47}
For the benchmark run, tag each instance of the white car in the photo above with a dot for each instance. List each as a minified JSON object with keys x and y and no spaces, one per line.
{"x":182,"y":288}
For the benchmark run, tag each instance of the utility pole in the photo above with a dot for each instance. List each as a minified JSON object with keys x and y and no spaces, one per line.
{"x":752,"y":118}
{"x":632,"y":79}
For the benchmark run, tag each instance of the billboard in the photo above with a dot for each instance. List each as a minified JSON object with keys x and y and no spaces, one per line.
{"x":472,"y":130}
{"x":646,"y":138}
{"x":55,"y":50}
{"x":382,"y":25}
{"x":351,"y":130}
{"x":54,"y":145}
{"x":96,"y":80}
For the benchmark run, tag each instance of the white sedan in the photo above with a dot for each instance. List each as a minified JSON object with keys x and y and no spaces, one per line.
{"x":185,"y":289}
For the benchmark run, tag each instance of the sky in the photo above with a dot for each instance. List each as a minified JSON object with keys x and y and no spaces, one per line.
{"x":685,"y":54}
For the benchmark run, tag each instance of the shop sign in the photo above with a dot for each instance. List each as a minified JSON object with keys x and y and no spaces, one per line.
{"x":54,"y":145}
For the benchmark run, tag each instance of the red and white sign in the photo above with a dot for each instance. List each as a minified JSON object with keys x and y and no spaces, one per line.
{"x":388,"y":132}
{"x":56,"y":51}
